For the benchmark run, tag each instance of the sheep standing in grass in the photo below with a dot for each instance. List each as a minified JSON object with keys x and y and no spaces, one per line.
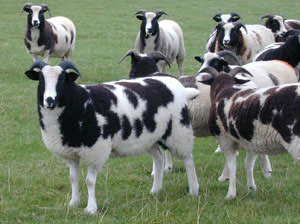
{"x":53,"y":37}
{"x":165,"y":36}
{"x":113,"y":119}
{"x":263,"y":120}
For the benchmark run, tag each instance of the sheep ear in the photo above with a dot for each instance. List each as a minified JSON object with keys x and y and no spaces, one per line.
{"x":71,"y":76}
{"x":199,"y":59}
{"x":205,"y":78}
{"x":217,"y":17}
{"x":140,"y":17}
{"x":33,"y":75}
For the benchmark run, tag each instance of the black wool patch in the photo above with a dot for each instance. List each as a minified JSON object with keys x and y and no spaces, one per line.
{"x":168,"y":131}
{"x":132,"y":98}
{"x":185,"y":118}
{"x":138,"y":127}
{"x":126,"y":127}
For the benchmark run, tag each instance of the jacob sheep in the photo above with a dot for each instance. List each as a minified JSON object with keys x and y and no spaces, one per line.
{"x":113,"y":119}
{"x":263,"y":120}
{"x":165,"y":36}
{"x":53,"y":37}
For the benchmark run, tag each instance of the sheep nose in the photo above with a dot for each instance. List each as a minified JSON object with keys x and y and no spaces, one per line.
{"x":35,"y":23}
{"x":226,"y":42}
{"x":50,"y":103}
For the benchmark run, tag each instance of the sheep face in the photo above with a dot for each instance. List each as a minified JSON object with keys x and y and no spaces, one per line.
{"x":276,"y":24}
{"x":226,"y":18}
{"x":149,"y":25}
{"x":35,"y":14}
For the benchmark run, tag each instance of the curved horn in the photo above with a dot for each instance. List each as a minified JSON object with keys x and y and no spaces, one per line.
{"x":210,"y":70}
{"x":67,"y":64}
{"x":230,"y":57}
{"x":269,"y":16}
{"x":238,"y":25}
{"x":159,"y":56}
{"x":38,"y":64}
{"x":160,"y":12}
{"x":27,"y":6}
{"x":237,"y":70}
{"x":45,"y":8}
{"x":142,"y":11}
{"x":130,"y":52}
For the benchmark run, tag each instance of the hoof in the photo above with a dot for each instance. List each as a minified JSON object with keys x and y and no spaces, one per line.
{"x":90,"y":211}
{"x":168,"y":169}
{"x":74,"y":203}
{"x":223,"y":178}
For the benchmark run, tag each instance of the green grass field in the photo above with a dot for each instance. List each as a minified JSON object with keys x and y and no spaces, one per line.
{"x":34,"y":184}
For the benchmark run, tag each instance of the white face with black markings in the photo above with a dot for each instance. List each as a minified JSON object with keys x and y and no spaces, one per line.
{"x":227,"y":30}
{"x":149,"y":25}
{"x":35,"y":16}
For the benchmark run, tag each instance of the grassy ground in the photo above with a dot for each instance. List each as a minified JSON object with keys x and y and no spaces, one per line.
{"x":34,"y":185}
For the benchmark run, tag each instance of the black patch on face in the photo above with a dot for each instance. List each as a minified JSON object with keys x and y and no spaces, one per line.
{"x":138,"y":127}
{"x":142,"y":67}
{"x":185,"y":118}
{"x":155,"y":93}
{"x":217,"y":64}
{"x":132,"y":98}
{"x":168,"y":131}
{"x":272,"y":25}
{"x":126,"y":127}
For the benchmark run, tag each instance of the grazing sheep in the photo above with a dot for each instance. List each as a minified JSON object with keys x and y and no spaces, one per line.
{"x":54,"y":37}
{"x":263,"y":120}
{"x":113,"y":119}
{"x":165,"y":36}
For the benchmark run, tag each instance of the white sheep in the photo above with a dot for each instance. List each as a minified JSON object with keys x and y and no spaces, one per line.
{"x":165,"y":36}
{"x":54,"y":37}
{"x":113,"y":119}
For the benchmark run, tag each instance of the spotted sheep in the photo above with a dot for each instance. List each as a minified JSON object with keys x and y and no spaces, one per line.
{"x":280,"y":26}
{"x":54,"y":37}
{"x":262,"y":120}
{"x":165,"y":36}
{"x":113,"y":119}
{"x":245,"y":41}
{"x":220,"y":17}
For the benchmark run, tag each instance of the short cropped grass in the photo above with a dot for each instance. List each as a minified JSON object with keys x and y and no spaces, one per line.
{"x":34,"y":184}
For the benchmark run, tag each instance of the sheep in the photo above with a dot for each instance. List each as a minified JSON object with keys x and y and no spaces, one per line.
{"x":165,"y":36}
{"x":113,"y":119}
{"x":219,"y":17}
{"x":262,"y":120}
{"x":279,"y":25}
{"x":54,"y":37}
{"x":245,"y":42}
{"x":288,"y":52}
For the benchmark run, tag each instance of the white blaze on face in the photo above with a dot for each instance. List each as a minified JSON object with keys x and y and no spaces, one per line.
{"x":227,"y":29}
{"x":149,"y":17}
{"x":51,"y":75}
{"x":225,"y":17}
{"x":35,"y":21}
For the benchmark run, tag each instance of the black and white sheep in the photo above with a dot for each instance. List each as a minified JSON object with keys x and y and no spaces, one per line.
{"x":279,"y":25}
{"x":263,"y":120}
{"x":245,"y":41}
{"x":165,"y":36}
{"x":113,"y":119}
{"x":54,"y":37}
{"x":219,"y":17}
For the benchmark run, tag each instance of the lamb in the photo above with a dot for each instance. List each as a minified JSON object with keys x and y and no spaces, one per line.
{"x":263,"y":120}
{"x":54,"y":37}
{"x":113,"y":119}
{"x":165,"y":36}
{"x":279,"y":25}
{"x":244,"y":41}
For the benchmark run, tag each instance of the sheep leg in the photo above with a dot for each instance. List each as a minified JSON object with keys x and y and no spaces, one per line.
{"x":91,"y":183}
{"x":180,"y":65}
{"x":74,"y":178}
{"x":265,"y":165}
{"x":168,"y":162}
{"x":225,"y":173}
{"x":157,"y":169}
{"x":191,"y":174}
{"x":249,"y":164}
{"x":231,"y":164}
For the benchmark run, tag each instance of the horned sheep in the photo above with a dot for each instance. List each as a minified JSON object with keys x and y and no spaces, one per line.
{"x":113,"y":119}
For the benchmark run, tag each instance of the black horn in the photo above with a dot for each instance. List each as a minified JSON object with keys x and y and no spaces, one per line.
{"x":67,"y":64}
{"x":160,"y":12}
{"x":45,"y":8}
{"x":209,"y":70}
{"x":269,"y":16}
{"x":238,"y":70}
{"x":38,"y":64}
{"x":27,"y":7}
{"x":142,"y":11}
{"x":157,"y":55}
{"x":230,"y":57}
{"x":130,"y":52}
{"x":239,"y":25}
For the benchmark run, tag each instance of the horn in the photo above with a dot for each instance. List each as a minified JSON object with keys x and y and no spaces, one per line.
{"x":130,"y":52}
{"x":45,"y":8}
{"x":269,"y":16}
{"x":160,"y":56}
{"x":160,"y":12}
{"x":238,"y":25}
{"x":142,"y":11}
{"x":67,"y":64}
{"x":209,"y":70}
{"x":27,"y":6}
{"x":230,"y":57}
{"x":237,"y":70}
{"x":38,"y":64}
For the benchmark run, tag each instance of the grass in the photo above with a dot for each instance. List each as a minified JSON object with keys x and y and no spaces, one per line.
{"x":34,"y":185}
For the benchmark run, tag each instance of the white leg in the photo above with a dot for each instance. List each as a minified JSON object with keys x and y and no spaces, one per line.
{"x":74,"y":178}
{"x":231,"y":164}
{"x":153,"y":168}
{"x":91,"y":182}
{"x":158,"y":165}
{"x":225,"y":173}
{"x":192,"y":176}
{"x":249,"y":164}
{"x":168,"y":162}
{"x":180,"y":66}
{"x":265,"y":165}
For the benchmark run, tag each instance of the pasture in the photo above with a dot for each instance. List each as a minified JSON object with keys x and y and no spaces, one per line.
{"x":34,"y":184}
